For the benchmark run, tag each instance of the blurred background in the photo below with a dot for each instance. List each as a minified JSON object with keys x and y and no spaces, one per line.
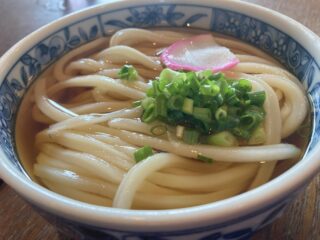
{"x":20,"y":17}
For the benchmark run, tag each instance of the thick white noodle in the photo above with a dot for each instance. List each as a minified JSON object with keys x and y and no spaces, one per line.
{"x":135,"y":125}
{"x":258,"y":68}
{"x":273,"y":127}
{"x":73,"y":180}
{"x":78,"y":195}
{"x":87,"y":144}
{"x":135,"y":177}
{"x":101,"y":107}
{"x":92,"y":164}
{"x":254,"y":59}
{"x":49,"y":107}
{"x":89,"y":119}
{"x":86,"y":152}
{"x":59,"y":68}
{"x":125,"y":54}
{"x":296,"y":99}
{"x":134,"y":36}
{"x":225,"y":154}
{"x":103,"y":83}
{"x":207,"y":182}
{"x":86,"y":66}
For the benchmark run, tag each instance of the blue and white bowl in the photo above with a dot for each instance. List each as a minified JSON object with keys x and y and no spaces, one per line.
{"x":235,"y":218}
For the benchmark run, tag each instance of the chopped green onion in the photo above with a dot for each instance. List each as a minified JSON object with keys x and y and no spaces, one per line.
{"x":257,"y":98}
{"x":233,"y":100}
{"x":217,"y":76}
{"x":175,"y":102}
{"x":205,"y":103}
{"x":168,"y":74}
{"x":193,"y":82}
{"x":179,"y":131}
{"x":229,"y":92}
{"x":219,"y":99}
{"x":191,"y":136}
{"x":205,"y":74}
{"x":161,"y":105}
{"x":142,"y":153}
{"x":234,"y":111}
{"x":228,"y":123}
{"x":251,"y":119}
{"x":149,"y":114}
{"x":241,"y":133}
{"x":222,"y":83}
{"x":244,"y":85}
{"x":211,"y":89}
{"x":204,"y":159}
{"x":248,"y":121}
{"x":221,"y":113}
{"x":203,"y":114}
{"x":223,"y":139}
{"x":258,"y":137}
{"x":205,"y":90}
{"x":215,"y":89}
{"x":136,"y":103}
{"x":147,"y":102}
{"x":187,"y":106}
{"x":158,"y":130}
{"x":128,"y":72}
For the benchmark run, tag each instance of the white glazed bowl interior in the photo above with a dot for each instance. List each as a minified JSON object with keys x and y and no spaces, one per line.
{"x":301,"y":55}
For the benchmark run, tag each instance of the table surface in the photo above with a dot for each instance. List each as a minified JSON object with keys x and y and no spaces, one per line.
{"x":301,"y":220}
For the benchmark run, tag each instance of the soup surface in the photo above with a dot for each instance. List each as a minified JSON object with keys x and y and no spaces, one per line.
{"x":158,"y":119}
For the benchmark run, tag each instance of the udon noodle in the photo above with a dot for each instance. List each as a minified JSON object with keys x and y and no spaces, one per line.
{"x":90,"y":130}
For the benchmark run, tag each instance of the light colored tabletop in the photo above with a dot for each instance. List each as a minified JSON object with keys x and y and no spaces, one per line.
{"x":301,"y":220}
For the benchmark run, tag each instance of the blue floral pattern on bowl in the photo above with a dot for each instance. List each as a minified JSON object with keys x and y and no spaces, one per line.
{"x":251,"y":30}
{"x":261,"y":218}
{"x":156,"y":15}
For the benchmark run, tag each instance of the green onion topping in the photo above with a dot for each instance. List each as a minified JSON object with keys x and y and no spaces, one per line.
{"x":187,"y":106}
{"x":204,"y":104}
{"x":158,"y":130}
{"x":179,"y":131}
{"x":257,"y":98}
{"x":258,"y":136}
{"x":128,"y":72}
{"x":190,"y":136}
{"x":204,"y":159}
{"x":142,"y":153}
{"x":223,"y":139}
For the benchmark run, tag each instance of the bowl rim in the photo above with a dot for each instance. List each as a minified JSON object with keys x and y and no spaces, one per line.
{"x":218,"y":212}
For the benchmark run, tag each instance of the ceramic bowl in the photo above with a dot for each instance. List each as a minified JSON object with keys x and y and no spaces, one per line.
{"x":235,"y":218}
